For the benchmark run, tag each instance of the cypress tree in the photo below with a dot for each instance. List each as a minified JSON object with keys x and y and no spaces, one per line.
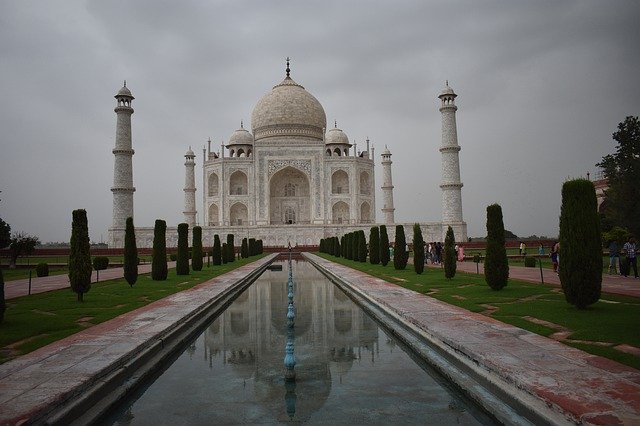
{"x":355,"y":244}
{"x":79,"y":255}
{"x":244,"y":249}
{"x":182,"y":263}
{"x":343,"y":247}
{"x":253,"y":247}
{"x":400,"y":256}
{"x":224,"y":253}
{"x":496,"y":265}
{"x":260,"y":247}
{"x":196,"y":247}
{"x":418,"y":249}
{"x":374,"y":245}
{"x":384,"y":246}
{"x":130,"y":253}
{"x":159,"y":268}
{"x":216,"y":251}
{"x":362,"y":246}
{"x":231,"y":248}
{"x":338,"y":248}
{"x":449,"y":254}
{"x":3,"y":304}
{"x":580,"y":244}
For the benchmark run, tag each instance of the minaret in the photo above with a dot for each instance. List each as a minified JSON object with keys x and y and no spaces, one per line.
{"x":122,"y":169}
{"x":387,"y":188}
{"x":451,"y":184}
{"x":190,"y":189}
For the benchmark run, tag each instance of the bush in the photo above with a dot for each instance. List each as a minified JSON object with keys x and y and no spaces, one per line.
{"x":216,"y":251}
{"x":253,"y":247}
{"x":100,"y":263}
{"x":3,"y":304}
{"x":42,"y":269}
{"x":496,"y":265}
{"x":418,"y":249}
{"x":173,"y":257}
{"x":182,"y":262}
{"x":225,"y":253}
{"x":384,"y":246}
{"x":530,"y":261}
{"x":196,"y":258}
{"x":79,"y":255}
{"x":337,"y":247}
{"x":400,"y":256}
{"x":244,"y":249}
{"x":580,"y":239}
{"x":130,"y":254}
{"x":231,"y":248}
{"x":159,"y":269}
{"x":362,"y":247}
{"x":374,"y":245}
{"x":449,"y":254}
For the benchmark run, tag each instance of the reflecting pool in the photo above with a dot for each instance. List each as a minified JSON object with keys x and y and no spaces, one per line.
{"x":348,"y":369}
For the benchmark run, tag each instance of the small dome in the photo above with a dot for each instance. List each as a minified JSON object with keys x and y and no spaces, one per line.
{"x":288,"y":110}
{"x":386,"y":151}
{"x":241,"y":137}
{"x":336,"y":136}
{"x":447,"y":90}
{"x":125,"y":91}
{"x":190,"y":153}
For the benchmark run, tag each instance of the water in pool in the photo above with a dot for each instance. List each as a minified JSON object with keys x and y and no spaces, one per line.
{"x":348,"y":370}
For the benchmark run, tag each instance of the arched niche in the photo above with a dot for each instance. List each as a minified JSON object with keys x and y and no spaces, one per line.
{"x":340,"y":182}
{"x":214,"y":218}
{"x":340,"y":212}
{"x":238,"y":183}
{"x":289,"y":197}
{"x":365,"y":183}
{"x":365,"y":213}
{"x":213,"y":185}
{"x":238,"y":215}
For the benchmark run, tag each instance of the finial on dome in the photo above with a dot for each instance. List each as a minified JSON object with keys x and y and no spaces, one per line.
{"x":125,"y":83}
{"x":288,"y":70}
{"x":446,"y":82}
{"x":335,"y":123}
{"x":241,"y":124}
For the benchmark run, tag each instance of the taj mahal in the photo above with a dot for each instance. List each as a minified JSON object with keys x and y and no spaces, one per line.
{"x":291,"y":180}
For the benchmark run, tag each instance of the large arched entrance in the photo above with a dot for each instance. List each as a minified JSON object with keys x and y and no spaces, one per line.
{"x":289,"y":197}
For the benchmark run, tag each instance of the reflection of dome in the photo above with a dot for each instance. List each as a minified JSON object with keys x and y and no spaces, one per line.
{"x":288,"y":110}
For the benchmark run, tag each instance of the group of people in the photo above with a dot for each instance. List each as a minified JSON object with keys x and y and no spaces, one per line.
{"x":433,"y":253}
{"x":630,"y":251}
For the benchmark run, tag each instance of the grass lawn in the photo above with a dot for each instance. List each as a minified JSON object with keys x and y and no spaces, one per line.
{"x":34,"y":321}
{"x":611,"y":321}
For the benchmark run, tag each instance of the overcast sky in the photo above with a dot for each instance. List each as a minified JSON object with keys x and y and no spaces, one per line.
{"x":541,"y":86}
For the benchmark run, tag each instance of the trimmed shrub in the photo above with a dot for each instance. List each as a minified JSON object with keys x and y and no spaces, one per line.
{"x":260,"y":247}
{"x":100,"y":263}
{"x":530,"y":261}
{"x":79,"y":255}
{"x":253,"y":247}
{"x":159,"y":269}
{"x":130,"y":254}
{"x":231,"y":248}
{"x":355,"y":244}
{"x":196,"y":249}
{"x":385,"y":257}
{"x":182,"y":262}
{"x":449,"y":254}
{"x":3,"y":304}
{"x":225,"y":253}
{"x":337,"y":246}
{"x":580,"y":239}
{"x":496,"y":265}
{"x":362,"y":246}
{"x":374,"y":245}
{"x":173,"y":257}
{"x":244,"y":249}
{"x":216,"y":251}
{"x":400,"y":257}
{"x":418,"y":249}
{"x":42,"y":269}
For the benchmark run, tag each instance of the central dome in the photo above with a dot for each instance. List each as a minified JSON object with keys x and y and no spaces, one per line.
{"x":288,"y":110}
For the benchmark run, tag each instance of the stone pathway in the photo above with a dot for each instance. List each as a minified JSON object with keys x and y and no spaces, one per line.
{"x":580,"y":386}
{"x":19,"y":288}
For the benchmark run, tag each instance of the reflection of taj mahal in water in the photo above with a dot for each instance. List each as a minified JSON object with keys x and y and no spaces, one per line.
{"x":291,"y":179}
{"x":250,"y":336}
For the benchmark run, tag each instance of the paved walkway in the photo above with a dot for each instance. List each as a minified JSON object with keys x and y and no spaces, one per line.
{"x":18,"y":288}
{"x":577,"y":385}
{"x":615,"y":284}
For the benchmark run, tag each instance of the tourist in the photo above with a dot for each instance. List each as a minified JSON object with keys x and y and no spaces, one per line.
{"x":438,"y":253}
{"x":460,"y":253}
{"x":614,"y":256}
{"x":554,"y":256}
{"x":523,"y":248}
{"x":630,"y":250}
{"x":541,"y":250}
